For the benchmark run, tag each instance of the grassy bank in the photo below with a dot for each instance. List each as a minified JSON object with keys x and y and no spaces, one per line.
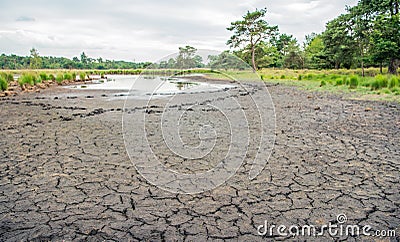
{"x":373,"y":86}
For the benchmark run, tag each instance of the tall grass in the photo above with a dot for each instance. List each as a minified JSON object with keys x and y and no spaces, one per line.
{"x":27,"y":79}
{"x":3,"y":83}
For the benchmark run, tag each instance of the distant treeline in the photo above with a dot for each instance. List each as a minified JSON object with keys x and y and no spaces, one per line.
{"x":35,"y":61}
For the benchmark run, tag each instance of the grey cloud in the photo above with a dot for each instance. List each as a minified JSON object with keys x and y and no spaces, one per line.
{"x":147,"y":29}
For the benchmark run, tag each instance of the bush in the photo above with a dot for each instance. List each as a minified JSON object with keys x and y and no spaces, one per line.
{"x":386,"y":91}
{"x":82,"y":76}
{"x":323,"y":83}
{"x":43,"y":76}
{"x":380,"y":82}
{"x":299,"y":77}
{"x":73,"y":76}
{"x":283,"y":77}
{"x":3,"y":83}
{"x":353,"y":83}
{"x":51,"y":77}
{"x":27,"y":78}
{"x":59,"y":78}
{"x":339,"y":82}
{"x":8,"y":77}
{"x":394,"y":82}
{"x":67,"y":76}
{"x":396,"y":91}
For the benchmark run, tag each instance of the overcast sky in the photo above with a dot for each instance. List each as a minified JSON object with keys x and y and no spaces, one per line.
{"x":145,"y":30}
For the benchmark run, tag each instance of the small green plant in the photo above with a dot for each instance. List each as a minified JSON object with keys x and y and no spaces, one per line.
{"x":380,"y":82}
{"x":283,"y":77}
{"x":59,"y":78}
{"x":323,"y":83}
{"x":73,"y":76}
{"x":37,"y":79}
{"x":27,"y":78}
{"x":3,"y":84}
{"x":300,"y":77}
{"x":51,"y":77}
{"x":353,"y":82}
{"x":82,"y":76}
{"x":386,"y":91}
{"x":67,"y":76}
{"x":339,"y":82}
{"x":394,"y":82}
{"x":43,"y":76}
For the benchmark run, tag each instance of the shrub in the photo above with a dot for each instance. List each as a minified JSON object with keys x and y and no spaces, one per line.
{"x":43,"y":76}
{"x":283,"y":77}
{"x":323,"y":83}
{"x":73,"y":76}
{"x":353,"y":83}
{"x":27,"y":78}
{"x":3,"y":84}
{"x":67,"y":76}
{"x":51,"y":77}
{"x":8,"y":77}
{"x":394,"y":82}
{"x":381,"y":81}
{"x":59,"y":78}
{"x":82,"y":76}
{"x":396,"y":91}
{"x":299,"y":77}
{"x":386,"y":91}
{"x":339,"y":82}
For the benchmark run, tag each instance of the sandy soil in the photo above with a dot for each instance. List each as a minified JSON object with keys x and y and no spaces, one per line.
{"x":65,"y":173}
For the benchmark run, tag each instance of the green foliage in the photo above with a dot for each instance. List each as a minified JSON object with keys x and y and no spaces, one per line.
{"x":3,"y":83}
{"x":44,"y":76}
{"x":339,"y":82}
{"x":68,"y":76}
{"x":381,"y":81}
{"x":73,"y":76}
{"x":59,"y":78}
{"x":250,"y":31}
{"x":35,"y":59}
{"x":82,"y":76}
{"x":27,"y":79}
{"x":394,"y":82}
{"x":323,"y":83}
{"x":51,"y":77}
{"x":353,"y":82}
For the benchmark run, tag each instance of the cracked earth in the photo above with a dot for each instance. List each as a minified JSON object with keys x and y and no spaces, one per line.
{"x":65,"y":173}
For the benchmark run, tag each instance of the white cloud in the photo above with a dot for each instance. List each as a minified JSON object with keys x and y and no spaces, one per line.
{"x":145,"y":29}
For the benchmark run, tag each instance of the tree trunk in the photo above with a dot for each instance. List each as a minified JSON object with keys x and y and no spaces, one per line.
{"x":362,"y":60}
{"x":253,"y":58}
{"x":393,"y":65}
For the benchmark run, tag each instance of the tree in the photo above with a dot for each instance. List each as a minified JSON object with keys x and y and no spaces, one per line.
{"x":314,"y":47}
{"x":340,"y":47}
{"x":251,"y":31}
{"x":35,"y":59}
{"x":187,"y":58}
{"x":386,"y":40}
{"x":84,"y":58}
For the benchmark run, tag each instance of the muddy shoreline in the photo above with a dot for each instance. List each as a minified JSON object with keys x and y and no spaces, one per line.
{"x":65,"y":173}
